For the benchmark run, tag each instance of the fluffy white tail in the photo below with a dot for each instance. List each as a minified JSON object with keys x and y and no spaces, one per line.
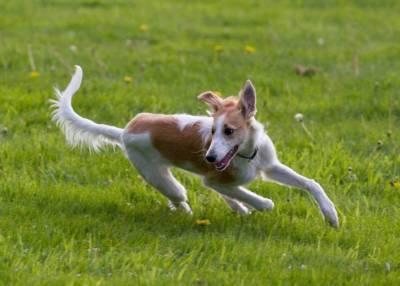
{"x":80,"y":131}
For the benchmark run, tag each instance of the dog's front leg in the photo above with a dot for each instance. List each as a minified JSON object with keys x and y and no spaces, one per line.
{"x":236,"y":206}
{"x":242,"y":194}
{"x":285,"y":175}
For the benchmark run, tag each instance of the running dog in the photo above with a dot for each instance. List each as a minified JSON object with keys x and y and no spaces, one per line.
{"x":228,"y":149}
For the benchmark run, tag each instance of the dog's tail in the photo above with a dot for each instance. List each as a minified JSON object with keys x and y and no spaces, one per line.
{"x":80,"y":131}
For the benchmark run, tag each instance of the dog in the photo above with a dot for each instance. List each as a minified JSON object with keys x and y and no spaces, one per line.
{"x":227,"y":149}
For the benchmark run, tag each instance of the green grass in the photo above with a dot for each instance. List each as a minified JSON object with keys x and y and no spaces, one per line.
{"x":68,"y":217}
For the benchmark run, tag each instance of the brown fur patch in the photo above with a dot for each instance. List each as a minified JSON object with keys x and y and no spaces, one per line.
{"x":180,"y":147}
{"x":231,"y":107}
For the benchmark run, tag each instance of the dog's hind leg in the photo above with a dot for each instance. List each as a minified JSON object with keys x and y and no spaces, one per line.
{"x":162,"y":179}
{"x":284,"y":175}
{"x":159,"y":176}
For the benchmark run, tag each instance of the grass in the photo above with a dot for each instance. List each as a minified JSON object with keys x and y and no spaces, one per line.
{"x":68,"y":217}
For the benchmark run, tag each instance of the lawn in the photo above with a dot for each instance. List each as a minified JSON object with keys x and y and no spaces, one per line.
{"x":69,"y":217}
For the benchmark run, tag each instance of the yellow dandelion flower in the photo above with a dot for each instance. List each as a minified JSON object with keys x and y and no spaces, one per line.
{"x":249,"y":49}
{"x":128,"y":79}
{"x":203,"y":222}
{"x":34,"y":74}
{"x":144,"y":28}
{"x":395,"y":184}
{"x":217,"y":92}
{"x":219,"y":48}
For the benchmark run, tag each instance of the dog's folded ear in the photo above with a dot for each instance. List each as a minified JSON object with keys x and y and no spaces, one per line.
{"x":212,"y":99}
{"x":247,"y":99}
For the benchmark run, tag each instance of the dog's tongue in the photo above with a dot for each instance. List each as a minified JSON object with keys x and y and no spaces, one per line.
{"x":225,"y":161}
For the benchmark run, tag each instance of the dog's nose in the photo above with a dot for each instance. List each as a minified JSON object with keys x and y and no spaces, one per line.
{"x":211,"y":158}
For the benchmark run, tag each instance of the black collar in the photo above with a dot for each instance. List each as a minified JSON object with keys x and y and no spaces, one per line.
{"x":249,"y":157}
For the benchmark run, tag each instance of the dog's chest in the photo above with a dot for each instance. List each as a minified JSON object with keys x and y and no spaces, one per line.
{"x":245,"y":172}
{"x":239,"y":173}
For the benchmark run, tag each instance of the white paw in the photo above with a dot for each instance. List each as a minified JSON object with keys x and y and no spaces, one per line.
{"x":327,"y":207}
{"x":241,"y":209}
{"x":330,"y":214}
{"x":171,"y":206}
{"x":266,"y":205}
{"x":181,"y":205}
{"x":186,"y":208}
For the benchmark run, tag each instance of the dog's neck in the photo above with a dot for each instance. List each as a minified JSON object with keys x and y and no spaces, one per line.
{"x":256,"y":131}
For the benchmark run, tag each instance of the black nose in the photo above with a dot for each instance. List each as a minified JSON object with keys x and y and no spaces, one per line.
{"x":211,"y":158}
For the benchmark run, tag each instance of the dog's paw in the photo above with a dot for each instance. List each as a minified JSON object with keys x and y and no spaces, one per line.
{"x":325,"y":204}
{"x":266,"y":205}
{"x":237,"y":207}
{"x":171,"y":206}
{"x":184,"y":206}
{"x":330,"y":214}
{"x":241,"y":209}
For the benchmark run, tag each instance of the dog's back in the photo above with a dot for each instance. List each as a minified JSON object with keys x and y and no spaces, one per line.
{"x":183,"y":145}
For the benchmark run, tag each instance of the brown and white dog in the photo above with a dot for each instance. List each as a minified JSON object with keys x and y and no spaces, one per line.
{"x":228,"y":149}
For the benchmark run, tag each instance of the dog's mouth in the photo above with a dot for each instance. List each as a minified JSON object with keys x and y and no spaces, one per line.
{"x":224,"y":163}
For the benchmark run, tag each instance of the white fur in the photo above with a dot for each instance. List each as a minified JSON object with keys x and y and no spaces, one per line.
{"x":186,"y":120}
{"x":155,"y":169}
{"x":78,"y":130}
{"x":219,"y":145}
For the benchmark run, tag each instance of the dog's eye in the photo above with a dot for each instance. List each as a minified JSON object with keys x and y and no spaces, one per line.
{"x":228,"y":131}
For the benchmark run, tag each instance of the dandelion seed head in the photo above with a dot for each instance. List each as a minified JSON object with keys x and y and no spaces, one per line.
{"x":73,"y":48}
{"x":353,"y":177}
{"x":388,"y":266}
{"x":299,"y":117}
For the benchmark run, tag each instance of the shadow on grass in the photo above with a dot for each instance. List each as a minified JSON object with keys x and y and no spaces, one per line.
{"x":75,"y":216}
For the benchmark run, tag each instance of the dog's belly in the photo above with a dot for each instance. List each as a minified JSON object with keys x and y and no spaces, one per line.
{"x":232,"y":176}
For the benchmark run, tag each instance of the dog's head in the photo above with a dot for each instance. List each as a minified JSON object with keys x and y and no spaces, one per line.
{"x":230,"y":130}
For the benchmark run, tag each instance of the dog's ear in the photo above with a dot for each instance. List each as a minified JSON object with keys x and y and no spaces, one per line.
{"x":247,"y":99}
{"x":212,"y":99}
